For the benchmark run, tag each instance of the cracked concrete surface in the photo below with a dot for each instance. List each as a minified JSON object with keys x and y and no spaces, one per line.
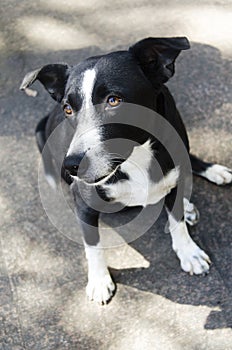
{"x":43,"y":273}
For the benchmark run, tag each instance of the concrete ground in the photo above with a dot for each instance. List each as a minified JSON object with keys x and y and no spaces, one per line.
{"x":42,"y":272}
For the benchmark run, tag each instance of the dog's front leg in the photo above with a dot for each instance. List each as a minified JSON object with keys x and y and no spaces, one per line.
{"x":100,"y":287}
{"x":192,"y":259}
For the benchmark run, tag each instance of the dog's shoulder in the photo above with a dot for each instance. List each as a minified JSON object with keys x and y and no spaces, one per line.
{"x":138,"y":188}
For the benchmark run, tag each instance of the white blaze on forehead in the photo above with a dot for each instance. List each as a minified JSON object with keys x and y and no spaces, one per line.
{"x":87,"y":138}
{"x":87,"y":134}
{"x":88,"y":82}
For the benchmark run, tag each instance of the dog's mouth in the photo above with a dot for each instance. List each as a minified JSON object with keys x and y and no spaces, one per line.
{"x":103,"y":179}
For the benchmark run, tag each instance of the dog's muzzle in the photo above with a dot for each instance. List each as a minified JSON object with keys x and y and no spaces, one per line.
{"x":76,"y":165}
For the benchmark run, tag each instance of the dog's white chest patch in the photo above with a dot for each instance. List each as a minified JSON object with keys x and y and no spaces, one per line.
{"x":140,"y":189}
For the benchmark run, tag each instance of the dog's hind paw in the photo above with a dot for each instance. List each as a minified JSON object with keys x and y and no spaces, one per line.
{"x":191,"y":214}
{"x":100,"y":289}
{"x":218,"y":174}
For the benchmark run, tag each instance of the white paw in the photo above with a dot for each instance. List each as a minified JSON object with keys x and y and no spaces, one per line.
{"x":100,"y":289}
{"x":193,"y":259}
{"x":191,"y":214}
{"x":218,"y":174}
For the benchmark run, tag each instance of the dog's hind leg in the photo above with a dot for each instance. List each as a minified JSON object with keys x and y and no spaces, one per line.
{"x":51,"y":173}
{"x":191,"y":214}
{"x":40,"y":133}
{"x":215,"y":173}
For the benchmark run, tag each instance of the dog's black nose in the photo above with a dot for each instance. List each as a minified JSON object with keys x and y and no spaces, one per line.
{"x":76,"y":164}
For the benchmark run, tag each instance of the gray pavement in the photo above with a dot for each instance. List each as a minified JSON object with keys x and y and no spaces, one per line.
{"x":42,"y":272}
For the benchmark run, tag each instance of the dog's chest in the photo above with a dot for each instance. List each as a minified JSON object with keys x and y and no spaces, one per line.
{"x":139,"y":189}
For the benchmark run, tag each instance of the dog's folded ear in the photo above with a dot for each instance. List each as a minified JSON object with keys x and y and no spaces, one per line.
{"x":157,"y":56}
{"x":52,"y":76}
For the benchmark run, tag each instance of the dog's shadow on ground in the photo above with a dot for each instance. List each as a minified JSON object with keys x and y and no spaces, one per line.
{"x":200,"y":92}
{"x":164,"y":275}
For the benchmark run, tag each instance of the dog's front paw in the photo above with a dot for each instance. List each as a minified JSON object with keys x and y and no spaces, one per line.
{"x":193,"y":259}
{"x":100,"y":289}
{"x":219,"y":174}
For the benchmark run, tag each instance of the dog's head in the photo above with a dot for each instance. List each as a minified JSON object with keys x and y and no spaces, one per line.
{"x":93,"y":94}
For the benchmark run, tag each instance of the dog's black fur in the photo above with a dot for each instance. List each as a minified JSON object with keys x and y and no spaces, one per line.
{"x":136,"y":76}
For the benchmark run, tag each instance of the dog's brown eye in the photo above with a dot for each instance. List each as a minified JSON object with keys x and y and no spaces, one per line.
{"x":68,"y":110}
{"x":114,"y":101}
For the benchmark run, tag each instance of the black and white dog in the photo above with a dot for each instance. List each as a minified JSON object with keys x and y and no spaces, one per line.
{"x":93,"y":96}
